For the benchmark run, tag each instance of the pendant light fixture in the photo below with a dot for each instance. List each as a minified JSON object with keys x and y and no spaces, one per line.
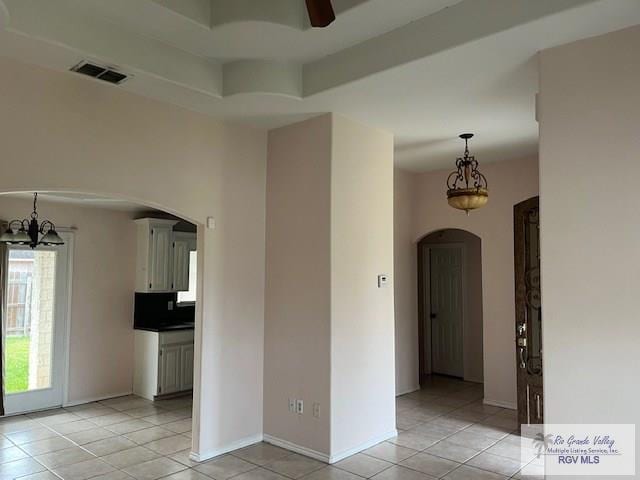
{"x":466,"y":186}
{"x":29,"y":230}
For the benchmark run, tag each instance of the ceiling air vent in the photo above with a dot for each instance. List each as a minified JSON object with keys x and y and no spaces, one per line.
{"x":105,"y":74}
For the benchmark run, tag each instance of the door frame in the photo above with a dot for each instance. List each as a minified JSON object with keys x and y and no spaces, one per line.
{"x":62,"y":311}
{"x":424,"y":303}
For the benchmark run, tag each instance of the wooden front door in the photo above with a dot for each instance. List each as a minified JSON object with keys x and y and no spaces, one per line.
{"x":528,"y":322}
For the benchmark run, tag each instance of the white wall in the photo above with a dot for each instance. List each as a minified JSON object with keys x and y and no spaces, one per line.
{"x":590,"y":234}
{"x":298,"y":289}
{"x":101,"y":328}
{"x":510,"y":182}
{"x":329,"y":329}
{"x":59,"y":131}
{"x":362,"y":324}
{"x":405,"y":263}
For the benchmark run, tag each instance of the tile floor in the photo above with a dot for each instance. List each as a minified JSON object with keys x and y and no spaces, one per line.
{"x":445,"y":432}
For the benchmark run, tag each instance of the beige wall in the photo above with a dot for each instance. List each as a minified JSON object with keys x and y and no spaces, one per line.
{"x":298,"y":296}
{"x":590,"y":235}
{"x":473,"y":358}
{"x":101,"y":328}
{"x":510,"y":182}
{"x":329,"y":329}
{"x":64,"y":132}
{"x":362,"y":324}
{"x":405,"y":264}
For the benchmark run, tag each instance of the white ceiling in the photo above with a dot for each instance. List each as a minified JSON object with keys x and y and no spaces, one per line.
{"x":425,"y":70}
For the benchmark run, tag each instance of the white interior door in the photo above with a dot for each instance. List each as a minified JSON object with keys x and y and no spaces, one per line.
{"x":446,"y":310}
{"x":35,"y":326}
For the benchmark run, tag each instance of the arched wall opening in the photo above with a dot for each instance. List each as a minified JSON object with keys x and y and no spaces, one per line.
{"x":450,"y":272}
{"x":62,"y":133}
{"x":97,"y":343}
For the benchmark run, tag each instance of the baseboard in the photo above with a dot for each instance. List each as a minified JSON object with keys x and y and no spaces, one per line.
{"x":308,"y":452}
{"x":498,"y":403}
{"x":244,"y":442}
{"x":409,"y":390}
{"x":370,"y":443}
{"x":473,"y":380}
{"x":97,"y":399}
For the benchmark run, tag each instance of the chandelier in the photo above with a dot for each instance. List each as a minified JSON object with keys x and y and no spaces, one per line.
{"x":466,"y":186}
{"x":29,"y":230}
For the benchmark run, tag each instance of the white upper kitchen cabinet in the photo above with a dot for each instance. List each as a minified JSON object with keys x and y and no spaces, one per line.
{"x":154,"y":263}
{"x":183,"y":244}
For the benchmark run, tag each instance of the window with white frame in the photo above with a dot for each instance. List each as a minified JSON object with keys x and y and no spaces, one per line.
{"x":189,"y":297}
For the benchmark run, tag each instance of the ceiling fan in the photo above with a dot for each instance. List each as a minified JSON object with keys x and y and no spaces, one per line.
{"x":321,"y":13}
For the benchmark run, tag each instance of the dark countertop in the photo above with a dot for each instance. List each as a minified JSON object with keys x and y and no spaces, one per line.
{"x":166,"y":328}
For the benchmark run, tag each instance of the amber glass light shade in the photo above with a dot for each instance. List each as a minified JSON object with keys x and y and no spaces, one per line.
{"x":468,"y":198}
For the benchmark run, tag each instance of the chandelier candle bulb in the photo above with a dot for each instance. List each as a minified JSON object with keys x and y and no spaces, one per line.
{"x":467,"y":188}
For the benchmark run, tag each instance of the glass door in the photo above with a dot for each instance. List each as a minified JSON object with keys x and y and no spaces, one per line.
{"x":35,"y":327}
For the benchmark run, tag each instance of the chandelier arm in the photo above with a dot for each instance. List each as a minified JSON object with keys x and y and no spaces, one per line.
{"x":480,"y":181}
{"x":46,"y":223}
{"x":456,"y":176}
{"x":13,"y":222}
{"x":484,"y":179}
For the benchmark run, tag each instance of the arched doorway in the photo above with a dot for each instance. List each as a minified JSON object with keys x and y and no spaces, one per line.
{"x":97,"y":341}
{"x":450,"y":322}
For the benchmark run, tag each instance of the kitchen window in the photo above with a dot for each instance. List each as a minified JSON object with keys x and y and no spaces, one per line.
{"x":189,"y":297}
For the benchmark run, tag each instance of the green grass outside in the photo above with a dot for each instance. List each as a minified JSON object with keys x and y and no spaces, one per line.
{"x":17,"y":364}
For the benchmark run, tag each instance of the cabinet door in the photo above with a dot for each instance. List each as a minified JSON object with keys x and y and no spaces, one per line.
{"x":160,"y":259}
{"x":181,"y":265}
{"x":170,"y":373}
{"x":186,"y":361}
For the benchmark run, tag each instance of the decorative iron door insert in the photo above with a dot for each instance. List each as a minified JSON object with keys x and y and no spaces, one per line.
{"x":528,"y":324}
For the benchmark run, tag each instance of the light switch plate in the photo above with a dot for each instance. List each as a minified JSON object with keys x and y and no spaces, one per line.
{"x":299,"y":407}
{"x":383,"y":280}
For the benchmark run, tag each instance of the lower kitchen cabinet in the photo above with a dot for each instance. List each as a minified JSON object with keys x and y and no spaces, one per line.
{"x":163,"y":363}
{"x":186,"y":367}
{"x":169,"y":371}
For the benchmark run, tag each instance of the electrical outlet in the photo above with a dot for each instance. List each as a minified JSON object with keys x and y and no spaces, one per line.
{"x":316,"y":410}
{"x":299,"y":407}
{"x":170,"y":305}
{"x":292,"y":405}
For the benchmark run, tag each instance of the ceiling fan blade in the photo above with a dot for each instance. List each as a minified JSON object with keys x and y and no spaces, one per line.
{"x":321,"y":12}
